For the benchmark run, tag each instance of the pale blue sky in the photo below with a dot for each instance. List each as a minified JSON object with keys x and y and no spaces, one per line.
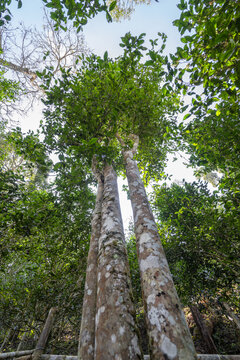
{"x":149,"y":19}
{"x":101,"y":35}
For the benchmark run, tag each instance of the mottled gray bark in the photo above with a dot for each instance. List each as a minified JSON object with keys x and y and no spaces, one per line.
{"x":87,"y":331}
{"x":116,"y":336}
{"x":169,"y":336}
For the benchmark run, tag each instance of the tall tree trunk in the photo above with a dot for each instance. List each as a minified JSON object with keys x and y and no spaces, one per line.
{"x":116,"y":334}
{"x":87,"y":331}
{"x":197,"y":316}
{"x":169,"y":336}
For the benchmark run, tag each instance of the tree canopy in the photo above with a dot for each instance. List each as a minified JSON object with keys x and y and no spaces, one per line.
{"x":125,"y":96}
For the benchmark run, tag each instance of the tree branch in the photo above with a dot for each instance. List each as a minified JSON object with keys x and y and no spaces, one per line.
{"x":133,"y":137}
{"x":120,"y":140}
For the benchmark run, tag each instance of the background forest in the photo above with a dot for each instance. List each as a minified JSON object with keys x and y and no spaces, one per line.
{"x":186,"y":101}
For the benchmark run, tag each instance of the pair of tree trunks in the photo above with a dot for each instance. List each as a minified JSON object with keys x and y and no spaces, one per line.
{"x":114,"y":328}
{"x":108,"y":329}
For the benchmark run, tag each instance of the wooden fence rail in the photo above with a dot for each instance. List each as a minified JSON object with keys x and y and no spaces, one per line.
{"x":15,"y":354}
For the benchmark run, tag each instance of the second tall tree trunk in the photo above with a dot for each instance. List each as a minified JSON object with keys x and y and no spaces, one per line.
{"x":87,"y":331}
{"x":169,"y":337}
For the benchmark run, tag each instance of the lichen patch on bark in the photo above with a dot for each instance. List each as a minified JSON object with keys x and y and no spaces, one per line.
{"x":150,"y":262}
{"x":168,"y":348}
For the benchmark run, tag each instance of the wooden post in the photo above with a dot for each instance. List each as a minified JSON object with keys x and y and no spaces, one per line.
{"x":41,"y":344}
{"x":197,"y":316}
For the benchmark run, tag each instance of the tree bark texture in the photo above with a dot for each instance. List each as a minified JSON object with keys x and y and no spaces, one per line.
{"x":42,"y":341}
{"x":87,"y":331}
{"x":169,"y":336}
{"x":17,"y":68}
{"x":197,"y":316}
{"x":116,"y":336}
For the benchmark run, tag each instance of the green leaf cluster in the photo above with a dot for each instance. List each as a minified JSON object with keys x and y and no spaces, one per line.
{"x":62,"y":11}
{"x":8,"y":89}
{"x":212,"y":50}
{"x":128,"y":95}
{"x":45,"y":231}
{"x":200,"y":231}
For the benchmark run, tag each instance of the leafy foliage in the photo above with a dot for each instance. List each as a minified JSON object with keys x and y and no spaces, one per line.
{"x":9,"y":91}
{"x":85,"y":110}
{"x":45,"y":230}
{"x":212,"y":47}
{"x":211,"y":58}
{"x":61,"y":11}
{"x":201,"y":238}
{"x":211,"y":55}
{"x":5,"y":14}
{"x":124,"y":8}
{"x":8,"y":88}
